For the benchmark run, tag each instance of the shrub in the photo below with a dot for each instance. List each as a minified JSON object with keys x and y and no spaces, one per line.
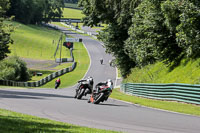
{"x":13,"y":68}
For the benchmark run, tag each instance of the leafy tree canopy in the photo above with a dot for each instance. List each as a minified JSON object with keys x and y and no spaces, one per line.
{"x":13,"y":68}
{"x":5,"y":30}
{"x":140,"y":32}
{"x":35,"y":11}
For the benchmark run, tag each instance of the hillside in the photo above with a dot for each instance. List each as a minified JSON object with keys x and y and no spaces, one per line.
{"x":187,"y":72}
{"x":37,"y":44}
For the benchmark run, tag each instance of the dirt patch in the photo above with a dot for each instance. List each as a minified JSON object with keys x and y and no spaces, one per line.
{"x":40,"y":64}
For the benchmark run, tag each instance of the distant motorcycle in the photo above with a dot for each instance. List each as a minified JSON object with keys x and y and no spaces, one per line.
{"x":84,"y":87}
{"x":100,"y":96}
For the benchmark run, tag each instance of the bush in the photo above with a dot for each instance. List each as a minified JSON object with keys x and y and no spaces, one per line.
{"x":13,"y":68}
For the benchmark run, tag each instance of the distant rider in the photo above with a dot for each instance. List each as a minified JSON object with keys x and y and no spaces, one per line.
{"x":57,"y":83}
{"x":101,"y":61}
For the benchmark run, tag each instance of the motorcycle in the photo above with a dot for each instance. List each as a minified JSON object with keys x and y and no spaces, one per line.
{"x":100,"y":96}
{"x":57,"y":83}
{"x":84,"y":88}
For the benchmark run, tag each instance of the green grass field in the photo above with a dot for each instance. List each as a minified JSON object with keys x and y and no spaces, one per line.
{"x":12,"y":122}
{"x":72,"y":13}
{"x":35,"y":42}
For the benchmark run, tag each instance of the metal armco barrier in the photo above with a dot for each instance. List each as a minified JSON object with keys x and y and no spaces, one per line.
{"x":40,"y":82}
{"x":187,"y":93}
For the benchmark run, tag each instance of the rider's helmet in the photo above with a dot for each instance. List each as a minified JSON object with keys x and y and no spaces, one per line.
{"x":90,"y":80}
{"x":110,"y":83}
{"x":109,"y":80}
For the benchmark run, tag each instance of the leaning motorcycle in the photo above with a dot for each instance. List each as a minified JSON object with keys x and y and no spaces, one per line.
{"x":101,"y":96}
{"x":84,"y":88}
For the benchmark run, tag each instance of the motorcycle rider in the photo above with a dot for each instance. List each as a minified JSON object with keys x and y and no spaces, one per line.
{"x":101,"y":61}
{"x":90,"y":82}
{"x":108,"y":83}
{"x":57,"y":83}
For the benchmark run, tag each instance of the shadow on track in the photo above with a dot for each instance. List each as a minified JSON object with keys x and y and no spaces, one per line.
{"x":112,"y":105}
{"x":29,"y":95}
{"x":82,"y":99}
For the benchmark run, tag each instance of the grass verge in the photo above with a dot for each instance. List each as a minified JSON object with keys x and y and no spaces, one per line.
{"x":12,"y":122}
{"x":165,"y":105}
{"x":36,"y":78}
{"x":188,"y":71}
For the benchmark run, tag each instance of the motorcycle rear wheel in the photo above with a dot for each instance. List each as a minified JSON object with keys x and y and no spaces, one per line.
{"x":98,"y":98}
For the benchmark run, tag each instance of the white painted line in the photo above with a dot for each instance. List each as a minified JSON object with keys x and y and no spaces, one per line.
{"x":116,"y":77}
{"x":90,"y":59}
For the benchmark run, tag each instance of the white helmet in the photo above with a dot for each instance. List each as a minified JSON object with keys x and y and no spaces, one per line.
{"x":90,"y":80}
{"x":109,"y":80}
{"x":110,"y":83}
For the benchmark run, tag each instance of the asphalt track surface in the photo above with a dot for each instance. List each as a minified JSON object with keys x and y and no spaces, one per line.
{"x":112,"y":115}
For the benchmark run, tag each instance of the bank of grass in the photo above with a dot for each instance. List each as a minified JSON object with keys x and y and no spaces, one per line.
{"x":12,"y":122}
{"x":72,"y":13}
{"x":34,"y":74}
{"x":35,"y":42}
{"x":188,"y":71}
{"x":165,"y":105}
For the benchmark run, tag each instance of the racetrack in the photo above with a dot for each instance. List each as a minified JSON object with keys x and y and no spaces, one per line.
{"x":112,"y":114}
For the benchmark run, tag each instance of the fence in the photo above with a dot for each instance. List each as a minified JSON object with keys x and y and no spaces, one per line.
{"x":176,"y":92}
{"x":40,"y":82}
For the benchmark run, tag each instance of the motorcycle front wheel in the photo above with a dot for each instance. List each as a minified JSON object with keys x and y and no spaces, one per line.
{"x":80,"y":93}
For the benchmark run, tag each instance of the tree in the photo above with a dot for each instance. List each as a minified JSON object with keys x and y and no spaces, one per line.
{"x":183,"y":19}
{"x":5,"y":30}
{"x":117,"y":14}
{"x":149,"y":38}
{"x":53,"y":9}
{"x":13,"y":68}
{"x":35,"y":11}
{"x":141,"y":32}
